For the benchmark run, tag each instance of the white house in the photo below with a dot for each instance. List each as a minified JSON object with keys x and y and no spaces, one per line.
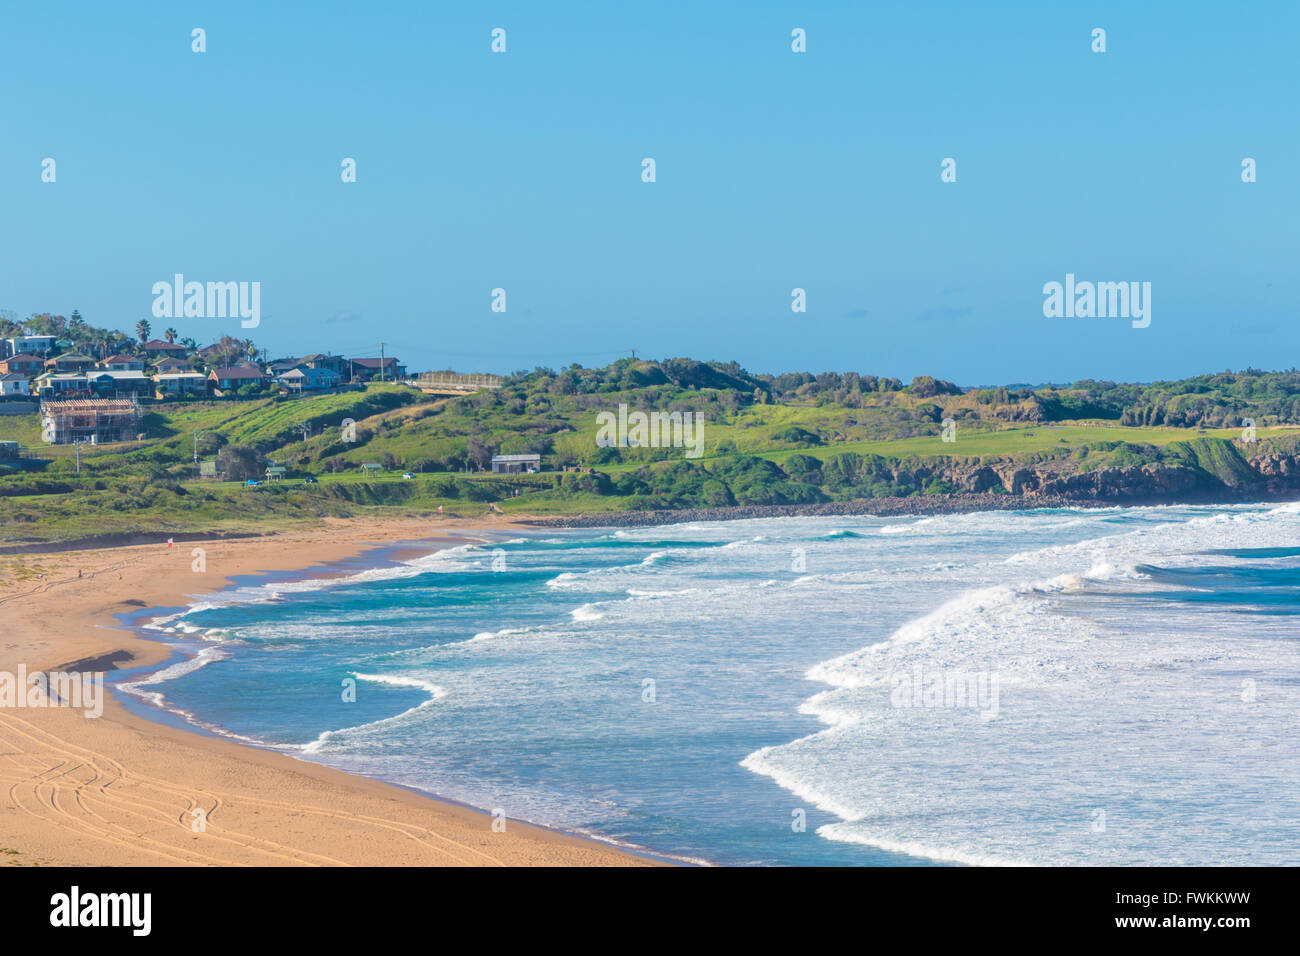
{"x":60,"y":384}
{"x":14,"y":383}
{"x":181,"y":383}
{"x":32,"y":344}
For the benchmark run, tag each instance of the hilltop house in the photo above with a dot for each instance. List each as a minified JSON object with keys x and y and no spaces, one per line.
{"x":122,"y":363}
{"x":23,"y":362}
{"x":333,"y":363}
{"x":159,"y":347}
{"x":170,"y":363}
{"x":368,"y":369}
{"x":180,"y":383}
{"x":227,"y":380}
{"x":93,"y":420}
{"x":306,"y":379}
{"x":69,"y":362}
{"x":60,"y":385}
{"x":31,"y":344}
{"x":280,"y":366}
{"x":516,"y":464}
{"x":119,"y":384}
{"x":14,"y":384}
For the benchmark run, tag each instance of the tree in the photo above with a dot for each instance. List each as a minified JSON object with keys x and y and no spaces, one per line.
{"x":240,"y":462}
{"x":170,"y":336}
{"x":478,"y":453}
{"x":142,"y":329}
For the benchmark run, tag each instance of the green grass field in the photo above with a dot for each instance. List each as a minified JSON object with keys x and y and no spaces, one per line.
{"x":153,"y":484}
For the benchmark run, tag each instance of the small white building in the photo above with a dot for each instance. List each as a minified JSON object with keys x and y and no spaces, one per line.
{"x":516,"y":464}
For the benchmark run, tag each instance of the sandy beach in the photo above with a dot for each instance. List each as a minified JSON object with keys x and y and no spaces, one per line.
{"x":120,"y":790}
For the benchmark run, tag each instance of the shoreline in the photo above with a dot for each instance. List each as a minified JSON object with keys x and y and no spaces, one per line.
{"x":377,"y":556}
{"x":122,"y":789}
{"x":67,"y":775}
{"x":916,"y":506}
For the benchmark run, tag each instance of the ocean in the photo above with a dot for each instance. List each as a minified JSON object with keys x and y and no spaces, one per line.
{"x":1099,"y":686}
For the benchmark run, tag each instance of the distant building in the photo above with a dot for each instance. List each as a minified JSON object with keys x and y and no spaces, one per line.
{"x":60,"y":385}
{"x":14,"y":384}
{"x":69,"y":362}
{"x":159,"y":347}
{"x":122,"y":363}
{"x":170,"y":363}
{"x":180,"y":383}
{"x":516,"y":464}
{"x":94,"y":420}
{"x":119,"y":384}
{"x":31,"y":344}
{"x":370,"y":369}
{"x":334,"y":363}
{"x":305,"y":379}
{"x":225,"y":380}
{"x":280,"y":366}
{"x":23,"y":362}
{"x":10,"y":449}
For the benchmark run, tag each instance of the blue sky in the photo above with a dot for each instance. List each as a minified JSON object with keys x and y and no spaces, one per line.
{"x":775,"y":170}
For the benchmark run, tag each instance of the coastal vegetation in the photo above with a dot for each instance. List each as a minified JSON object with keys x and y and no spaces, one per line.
{"x":791,"y":439}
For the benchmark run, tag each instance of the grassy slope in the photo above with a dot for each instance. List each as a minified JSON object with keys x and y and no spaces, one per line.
{"x":398,"y":421}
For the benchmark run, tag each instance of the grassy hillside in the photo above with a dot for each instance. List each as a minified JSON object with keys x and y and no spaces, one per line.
{"x":767,"y":440}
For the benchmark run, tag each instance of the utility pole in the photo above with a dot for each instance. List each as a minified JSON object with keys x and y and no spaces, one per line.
{"x":77,"y":445}
{"x":381,"y":361}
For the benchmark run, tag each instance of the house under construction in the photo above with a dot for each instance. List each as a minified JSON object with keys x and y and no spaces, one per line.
{"x":93,"y":420}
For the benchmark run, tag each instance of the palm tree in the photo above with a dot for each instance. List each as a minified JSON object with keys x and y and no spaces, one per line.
{"x":170,"y":336}
{"x":142,"y":329}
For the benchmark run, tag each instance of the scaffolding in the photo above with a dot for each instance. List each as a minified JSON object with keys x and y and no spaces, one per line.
{"x":93,"y":420}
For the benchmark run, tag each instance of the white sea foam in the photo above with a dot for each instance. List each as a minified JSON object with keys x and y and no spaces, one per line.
{"x":1110,"y":696}
{"x":1091,"y":703}
{"x":435,"y":692}
{"x":587,"y":612}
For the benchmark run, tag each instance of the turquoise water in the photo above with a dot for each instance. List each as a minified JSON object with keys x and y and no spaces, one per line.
{"x":698,"y":690}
